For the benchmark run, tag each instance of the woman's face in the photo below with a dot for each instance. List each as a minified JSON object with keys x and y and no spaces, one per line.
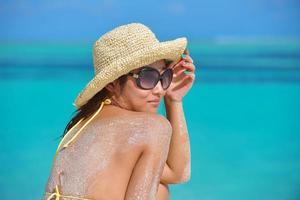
{"x":136,"y":99}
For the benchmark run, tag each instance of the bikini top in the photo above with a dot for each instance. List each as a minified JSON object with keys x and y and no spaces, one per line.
{"x":56,"y":192}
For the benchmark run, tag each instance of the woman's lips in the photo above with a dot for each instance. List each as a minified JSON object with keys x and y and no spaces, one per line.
{"x":155,"y":103}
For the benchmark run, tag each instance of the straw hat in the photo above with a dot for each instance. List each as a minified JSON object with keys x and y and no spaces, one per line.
{"x":123,"y":49}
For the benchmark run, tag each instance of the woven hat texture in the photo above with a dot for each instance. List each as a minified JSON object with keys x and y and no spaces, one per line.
{"x":124,"y":49}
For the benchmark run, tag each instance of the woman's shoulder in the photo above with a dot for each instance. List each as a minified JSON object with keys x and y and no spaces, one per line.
{"x":142,"y":128}
{"x":130,"y":127}
{"x":132,"y":120}
{"x":146,"y":119}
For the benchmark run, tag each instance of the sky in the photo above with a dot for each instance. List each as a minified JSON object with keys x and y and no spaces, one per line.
{"x":85,"y":20}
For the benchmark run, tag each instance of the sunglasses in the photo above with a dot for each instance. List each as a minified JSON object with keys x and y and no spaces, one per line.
{"x":148,"y":77}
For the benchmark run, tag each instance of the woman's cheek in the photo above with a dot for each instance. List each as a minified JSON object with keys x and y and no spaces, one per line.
{"x":143,"y":95}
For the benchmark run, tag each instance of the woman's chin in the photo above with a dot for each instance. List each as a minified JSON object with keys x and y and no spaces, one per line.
{"x":150,"y":110}
{"x":149,"y":107}
{"x":153,"y":110}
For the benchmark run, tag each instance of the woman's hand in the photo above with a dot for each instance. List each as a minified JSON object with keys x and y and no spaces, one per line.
{"x":181,"y":82}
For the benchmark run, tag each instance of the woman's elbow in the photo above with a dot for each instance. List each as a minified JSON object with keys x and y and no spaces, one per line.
{"x":171,"y":177}
{"x":184,"y":178}
{"x":185,"y":175}
{"x":177,"y":179}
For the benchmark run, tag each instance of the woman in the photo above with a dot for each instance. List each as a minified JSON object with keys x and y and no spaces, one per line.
{"x":127,"y":151}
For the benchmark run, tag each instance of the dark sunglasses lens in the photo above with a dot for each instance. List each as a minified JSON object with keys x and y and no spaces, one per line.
{"x":148,"y":78}
{"x":167,"y":78}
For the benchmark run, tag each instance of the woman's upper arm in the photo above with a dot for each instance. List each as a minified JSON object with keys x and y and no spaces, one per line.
{"x":150,"y":128}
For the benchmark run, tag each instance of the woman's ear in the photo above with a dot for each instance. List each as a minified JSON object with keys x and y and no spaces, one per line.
{"x":111,"y":87}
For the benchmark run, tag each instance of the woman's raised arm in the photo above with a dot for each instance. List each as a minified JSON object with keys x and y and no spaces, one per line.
{"x":178,"y":165}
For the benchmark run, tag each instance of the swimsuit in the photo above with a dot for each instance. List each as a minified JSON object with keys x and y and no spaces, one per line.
{"x":59,"y":196}
{"x":56,"y":193}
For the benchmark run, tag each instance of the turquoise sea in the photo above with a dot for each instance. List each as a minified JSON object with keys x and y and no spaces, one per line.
{"x":243,"y":116}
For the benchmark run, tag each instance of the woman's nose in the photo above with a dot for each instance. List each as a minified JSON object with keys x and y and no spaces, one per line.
{"x":158,"y":89}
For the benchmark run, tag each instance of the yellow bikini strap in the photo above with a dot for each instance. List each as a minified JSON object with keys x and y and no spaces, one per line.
{"x":106,"y":101}
{"x":57,"y":195}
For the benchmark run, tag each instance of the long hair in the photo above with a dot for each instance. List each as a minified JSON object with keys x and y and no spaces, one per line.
{"x":91,"y":106}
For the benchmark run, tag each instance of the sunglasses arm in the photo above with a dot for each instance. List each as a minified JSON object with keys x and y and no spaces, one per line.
{"x":134,"y":75}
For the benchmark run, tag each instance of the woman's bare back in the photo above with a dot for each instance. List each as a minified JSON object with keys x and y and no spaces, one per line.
{"x":102,"y":162}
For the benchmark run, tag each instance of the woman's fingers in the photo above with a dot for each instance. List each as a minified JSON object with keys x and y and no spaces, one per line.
{"x":190,"y":76}
{"x":185,"y":64}
{"x":180,"y":73}
{"x":184,"y":67}
{"x":185,"y":79}
{"x":188,"y":59}
{"x":177,"y":67}
{"x":186,"y":56}
{"x":189,"y":66}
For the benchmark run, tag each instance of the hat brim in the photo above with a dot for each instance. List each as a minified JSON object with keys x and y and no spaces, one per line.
{"x":170,"y":50}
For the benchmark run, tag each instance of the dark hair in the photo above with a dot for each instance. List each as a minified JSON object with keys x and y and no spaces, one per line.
{"x":93,"y":104}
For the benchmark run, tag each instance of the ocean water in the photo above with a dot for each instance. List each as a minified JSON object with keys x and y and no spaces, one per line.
{"x":243,"y":116}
